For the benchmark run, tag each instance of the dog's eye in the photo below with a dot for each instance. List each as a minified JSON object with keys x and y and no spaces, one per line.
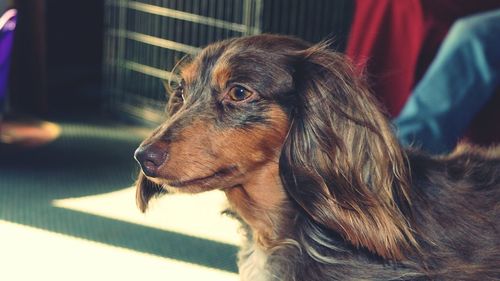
{"x":238,"y":93}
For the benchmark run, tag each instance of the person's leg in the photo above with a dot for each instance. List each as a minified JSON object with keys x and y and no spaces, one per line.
{"x":456,"y":86}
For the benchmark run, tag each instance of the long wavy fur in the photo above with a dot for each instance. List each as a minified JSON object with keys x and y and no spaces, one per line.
{"x":341,"y":163}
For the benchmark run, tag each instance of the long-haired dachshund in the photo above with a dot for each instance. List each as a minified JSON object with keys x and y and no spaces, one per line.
{"x":310,"y":165}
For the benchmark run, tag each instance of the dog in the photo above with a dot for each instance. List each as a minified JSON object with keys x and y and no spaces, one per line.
{"x":309,"y":163}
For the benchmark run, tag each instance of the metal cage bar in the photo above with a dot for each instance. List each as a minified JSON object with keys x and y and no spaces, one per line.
{"x":144,"y":39}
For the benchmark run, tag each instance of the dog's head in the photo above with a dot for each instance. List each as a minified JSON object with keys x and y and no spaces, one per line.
{"x":269,"y":101}
{"x":226,"y":117}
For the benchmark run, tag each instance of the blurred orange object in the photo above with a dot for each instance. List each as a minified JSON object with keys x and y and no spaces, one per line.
{"x":28,"y":133}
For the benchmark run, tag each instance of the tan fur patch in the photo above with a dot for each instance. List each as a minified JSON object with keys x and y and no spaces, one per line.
{"x":221,"y":74}
{"x":190,"y":72}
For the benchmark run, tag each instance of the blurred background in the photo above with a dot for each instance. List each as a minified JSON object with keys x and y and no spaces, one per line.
{"x":81,"y":84}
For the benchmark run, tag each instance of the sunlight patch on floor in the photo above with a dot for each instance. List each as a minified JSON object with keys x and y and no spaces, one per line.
{"x":32,"y":254}
{"x":195,"y":215}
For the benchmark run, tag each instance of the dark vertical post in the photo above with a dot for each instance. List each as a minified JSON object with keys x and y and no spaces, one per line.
{"x":29,"y":68}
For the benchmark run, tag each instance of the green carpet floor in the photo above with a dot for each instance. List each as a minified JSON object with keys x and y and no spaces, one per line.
{"x":88,"y":159}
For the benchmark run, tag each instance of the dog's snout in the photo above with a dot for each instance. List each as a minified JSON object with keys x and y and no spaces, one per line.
{"x":151,"y":157}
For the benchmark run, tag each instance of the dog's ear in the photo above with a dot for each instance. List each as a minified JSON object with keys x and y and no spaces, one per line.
{"x":145,"y":190}
{"x":340,"y":161}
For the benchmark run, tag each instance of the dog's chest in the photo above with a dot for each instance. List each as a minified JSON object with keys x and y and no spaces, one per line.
{"x":252,"y":264}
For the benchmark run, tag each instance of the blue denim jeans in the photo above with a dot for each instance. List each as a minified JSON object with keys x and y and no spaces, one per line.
{"x":459,"y":82}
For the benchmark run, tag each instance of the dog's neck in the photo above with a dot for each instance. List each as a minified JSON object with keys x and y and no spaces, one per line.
{"x":261,"y":202}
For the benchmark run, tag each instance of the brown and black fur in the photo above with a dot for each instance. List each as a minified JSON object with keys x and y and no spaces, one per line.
{"x":310,"y":165}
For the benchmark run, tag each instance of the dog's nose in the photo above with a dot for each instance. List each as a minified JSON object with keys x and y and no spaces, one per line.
{"x":150,"y":157}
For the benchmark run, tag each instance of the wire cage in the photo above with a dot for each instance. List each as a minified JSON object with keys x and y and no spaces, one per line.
{"x":144,"y":39}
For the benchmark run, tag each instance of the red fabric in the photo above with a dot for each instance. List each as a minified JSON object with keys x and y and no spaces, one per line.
{"x":396,"y":40}
{"x":385,"y":38}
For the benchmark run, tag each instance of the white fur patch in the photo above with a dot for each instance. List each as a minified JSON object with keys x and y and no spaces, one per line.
{"x":252,"y":264}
